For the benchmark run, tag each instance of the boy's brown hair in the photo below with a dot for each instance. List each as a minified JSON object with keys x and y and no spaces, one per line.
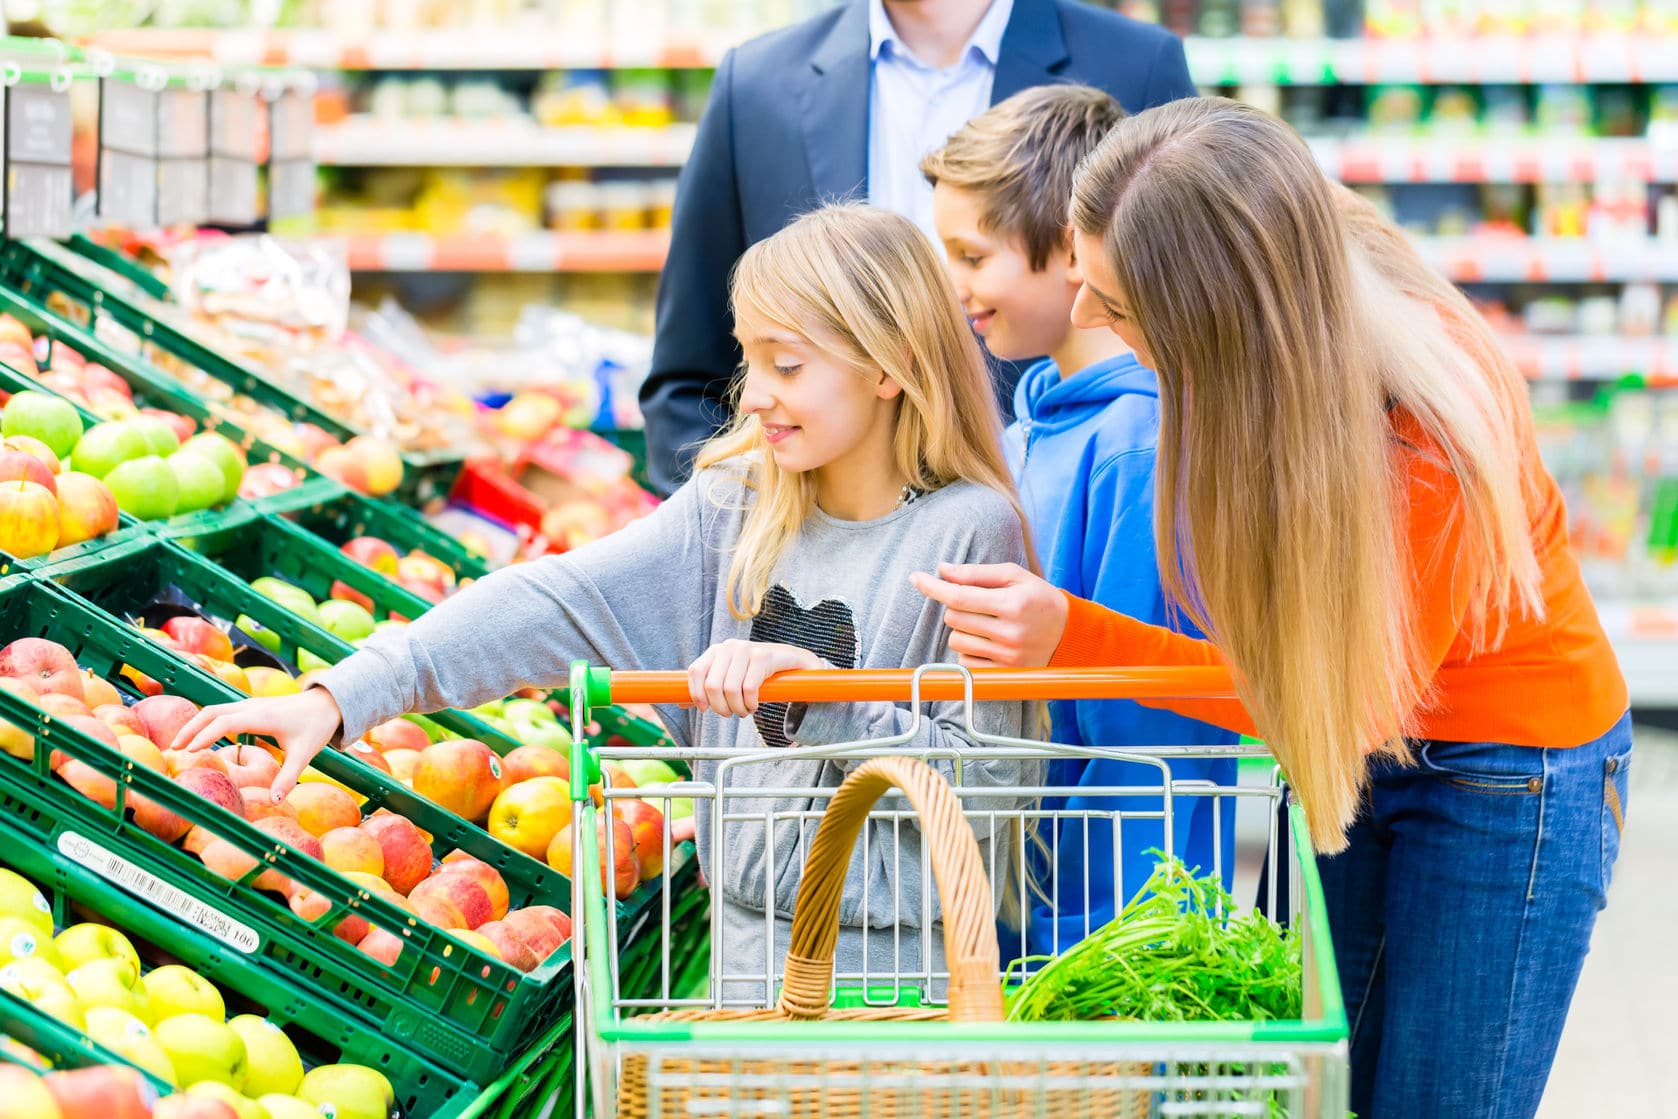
{"x":1020,"y":156}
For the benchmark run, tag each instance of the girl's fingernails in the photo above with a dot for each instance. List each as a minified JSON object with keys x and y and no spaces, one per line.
{"x":276,"y":795}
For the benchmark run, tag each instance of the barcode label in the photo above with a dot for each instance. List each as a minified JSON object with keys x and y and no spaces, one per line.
{"x":149,"y":887}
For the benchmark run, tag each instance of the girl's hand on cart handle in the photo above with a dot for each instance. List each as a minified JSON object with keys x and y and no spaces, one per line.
{"x":727,"y":676}
{"x":301,"y":724}
{"x":1000,"y":614}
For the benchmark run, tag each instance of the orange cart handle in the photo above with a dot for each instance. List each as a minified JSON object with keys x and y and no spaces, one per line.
{"x":895,"y":685}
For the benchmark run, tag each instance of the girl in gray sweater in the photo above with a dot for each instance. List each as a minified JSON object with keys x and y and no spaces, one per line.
{"x":866,"y":447}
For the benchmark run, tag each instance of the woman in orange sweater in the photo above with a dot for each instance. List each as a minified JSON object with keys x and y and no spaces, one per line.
{"x":1352,"y":508}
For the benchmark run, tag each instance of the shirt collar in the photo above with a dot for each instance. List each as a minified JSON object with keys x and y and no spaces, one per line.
{"x":986,"y":38}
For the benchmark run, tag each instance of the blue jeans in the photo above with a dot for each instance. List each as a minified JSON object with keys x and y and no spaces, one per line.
{"x":1461,"y":914}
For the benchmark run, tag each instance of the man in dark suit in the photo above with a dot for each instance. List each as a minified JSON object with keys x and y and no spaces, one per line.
{"x":843,"y":106}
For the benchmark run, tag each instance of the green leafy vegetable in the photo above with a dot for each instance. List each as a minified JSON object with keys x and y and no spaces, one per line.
{"x":1171,"y":955}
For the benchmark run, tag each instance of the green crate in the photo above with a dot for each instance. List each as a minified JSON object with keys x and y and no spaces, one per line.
{"x":342,"y":516}
{"x":63,"y":1045}
{"x":322,"y":1034}
{"x":541,"y":1073}
{"x":444,"y":1001}
{"x":150,"y":385}
{"x":42,"y":267}
{"x":119,"y":262}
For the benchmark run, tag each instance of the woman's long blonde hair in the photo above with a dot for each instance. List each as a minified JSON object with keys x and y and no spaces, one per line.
{"x":1287,"y":321}
{"x":866,"y":286}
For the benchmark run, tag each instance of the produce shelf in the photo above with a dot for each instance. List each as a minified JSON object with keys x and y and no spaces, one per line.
{"x":603,"y":251}
{"x":1491,"y":159}
{"x":1561,"y":57}
{"x":442,"y":1000}
{"x":77,"y":887}
{"x":1496,"y":258}
{"x":368,"y":141}
{"x":338,"y":516}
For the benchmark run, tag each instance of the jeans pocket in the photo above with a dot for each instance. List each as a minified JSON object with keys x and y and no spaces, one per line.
{"x":1491,"y":768}
{"x":1616,"y":783}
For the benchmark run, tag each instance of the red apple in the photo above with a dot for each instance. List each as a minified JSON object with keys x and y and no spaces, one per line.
{"x":313,"y":439}
{"x":44,"y":665}
{"x":259,"y":804}
{"x":99,"y":692}
{"x":343,"y":592}
{"x":525,"y":762}
{"x":407,"y":854}
{"x":182,"y":426}
{"x":623,"y":876}
{"x":462,"y":775}
{"x":119,"y":718}
{"x":17,"y":739}
{"x":195,"y":635}
{"x":225,"y":671}
{"x":646,"y":824}
{"x":418,"y":567}
{"x":101,"y":1092}
{"x":265,"y":479}
{"x":322,"y":807}
{"x":163,"y":716}
{"x":459,"y":862}
{"x":180,"y":1105}
{"x":370,"y":551}
{"x":382,"y":946}
{"x":86,"y":508}
{"x":147,"y":686}
{"x":96,"y":377}
{"x":512,"y":947}
{"x":62,"y":706}
{"x":251,"y":767}
{"x":28,"y":445}
{"x":539,"y":933}
{"x":179,"y":761}
{"x":18,"y":466}
{"x":311,"y":906}
{"x":347,"y":849}
{"x":365,"y":754}
{"x":398,"y":734}
{"x":464,"y":893}
{"x":217,"y":788}
{"x":402,"y":763}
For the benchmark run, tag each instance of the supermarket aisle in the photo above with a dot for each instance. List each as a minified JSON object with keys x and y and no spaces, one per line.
{"x":1617,"y":1052}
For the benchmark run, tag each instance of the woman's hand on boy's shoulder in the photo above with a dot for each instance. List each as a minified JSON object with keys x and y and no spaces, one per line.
{"x":728,"y":676}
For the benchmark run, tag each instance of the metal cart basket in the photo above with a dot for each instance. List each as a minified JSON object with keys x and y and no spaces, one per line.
{"x":897,"y":1035}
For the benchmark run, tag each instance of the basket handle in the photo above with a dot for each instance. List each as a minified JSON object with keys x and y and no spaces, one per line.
{"x":970,"y":945}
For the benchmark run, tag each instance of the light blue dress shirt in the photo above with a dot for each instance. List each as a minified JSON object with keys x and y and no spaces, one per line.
{"x":914,"y":107}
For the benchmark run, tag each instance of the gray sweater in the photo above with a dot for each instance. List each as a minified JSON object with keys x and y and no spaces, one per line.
{"x":654,"y":596}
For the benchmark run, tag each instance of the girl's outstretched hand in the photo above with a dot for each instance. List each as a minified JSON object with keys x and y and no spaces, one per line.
{"x":301,"y":724}
{"x":1001,"y":615}
{"x":727,"y":676}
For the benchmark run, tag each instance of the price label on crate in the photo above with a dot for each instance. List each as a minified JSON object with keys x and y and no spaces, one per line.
{"x":183,"y":191}
{"x":37,"y":160}
{"x":233,"y":193}
{"x":149,"y":887}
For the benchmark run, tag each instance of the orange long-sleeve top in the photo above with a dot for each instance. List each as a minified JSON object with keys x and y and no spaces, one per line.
{"x":1551,"y":681}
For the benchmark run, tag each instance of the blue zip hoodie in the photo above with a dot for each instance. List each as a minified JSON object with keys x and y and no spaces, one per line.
{"x":1082,"y":452}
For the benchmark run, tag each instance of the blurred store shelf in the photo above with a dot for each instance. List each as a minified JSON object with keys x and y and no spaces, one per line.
{"x":1499,"y":258}
{"x":1236,"y":61}
{"x":1645,"y":637}
{"x":1586,"y":357}
{"x":602,"y":251}
{"x":1478,"y":159}
{"x":369,"y":141}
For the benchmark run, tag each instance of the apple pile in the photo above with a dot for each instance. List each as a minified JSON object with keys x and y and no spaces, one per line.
{"x":154,"y":474}
{"x":384,"y":853}
{"x":524,"y":798}
{"x":169,"y":1020}
{"x":418,"y":572}
{"x":43,"y":505}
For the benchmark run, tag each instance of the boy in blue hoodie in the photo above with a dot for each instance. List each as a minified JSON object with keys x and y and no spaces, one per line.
{"x":1082,"y":451}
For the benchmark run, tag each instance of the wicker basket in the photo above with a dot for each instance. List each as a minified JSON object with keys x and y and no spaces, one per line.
{"x":883,"y":1086}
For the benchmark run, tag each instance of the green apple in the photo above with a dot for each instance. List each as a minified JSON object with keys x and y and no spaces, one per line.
{"x":89,"y":941}
{"x":242,"y":1107}
{"x":650,"y":771}
{"x":288,"y":1107}
{"x":272,"y":1064}
{"x":354,"y":1091}
{"x":295,"y":599}
{"x":490,"y":710}
{"x":39,"y":415}
{"x":21,"y":939}
{"x":528,"y":711}
{"x":160,"y":438}
{"x":199,"y":483}
{"x":20,"y":898}
{"x":38,"y":983}
{"x":128,"y":1037}
{"x":260,"y":633}
{"x":107,"y":446}
{"x":227,"y":456}
{"x":349,"y":620}
{"x":680,"y":808}
{"x":144,"y":487}
{"x":176,"y":989}
{"x":309,"y":662}
{"x":110,"y":982}
{"x":202,"y":1048}
{"x":551,"y":735}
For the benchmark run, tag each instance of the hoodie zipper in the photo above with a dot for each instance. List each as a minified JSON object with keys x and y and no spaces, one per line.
{"x":1025,"y":433}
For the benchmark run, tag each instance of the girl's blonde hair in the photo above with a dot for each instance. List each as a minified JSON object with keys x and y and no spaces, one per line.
{"x":1287,"y":321}
{"x":866,"y":286}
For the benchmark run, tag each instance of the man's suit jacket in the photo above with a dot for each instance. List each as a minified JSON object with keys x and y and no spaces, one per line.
{"x":786,"y":130}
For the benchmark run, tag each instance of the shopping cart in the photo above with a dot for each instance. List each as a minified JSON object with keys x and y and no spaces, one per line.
{"x":886,"y":1044}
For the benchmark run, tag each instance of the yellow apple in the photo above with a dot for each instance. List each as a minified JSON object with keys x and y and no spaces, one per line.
{"x":89,"y":941}
{"x":128,"y":1037}
{"x":40,"y":984}
{"x":354,"y":1091}
{"x":272,"y":1066}
{"x":110,"y":982}
{"x":20,"y":898}
{"x":176,"y":989}
{"x":202,"y":1048}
